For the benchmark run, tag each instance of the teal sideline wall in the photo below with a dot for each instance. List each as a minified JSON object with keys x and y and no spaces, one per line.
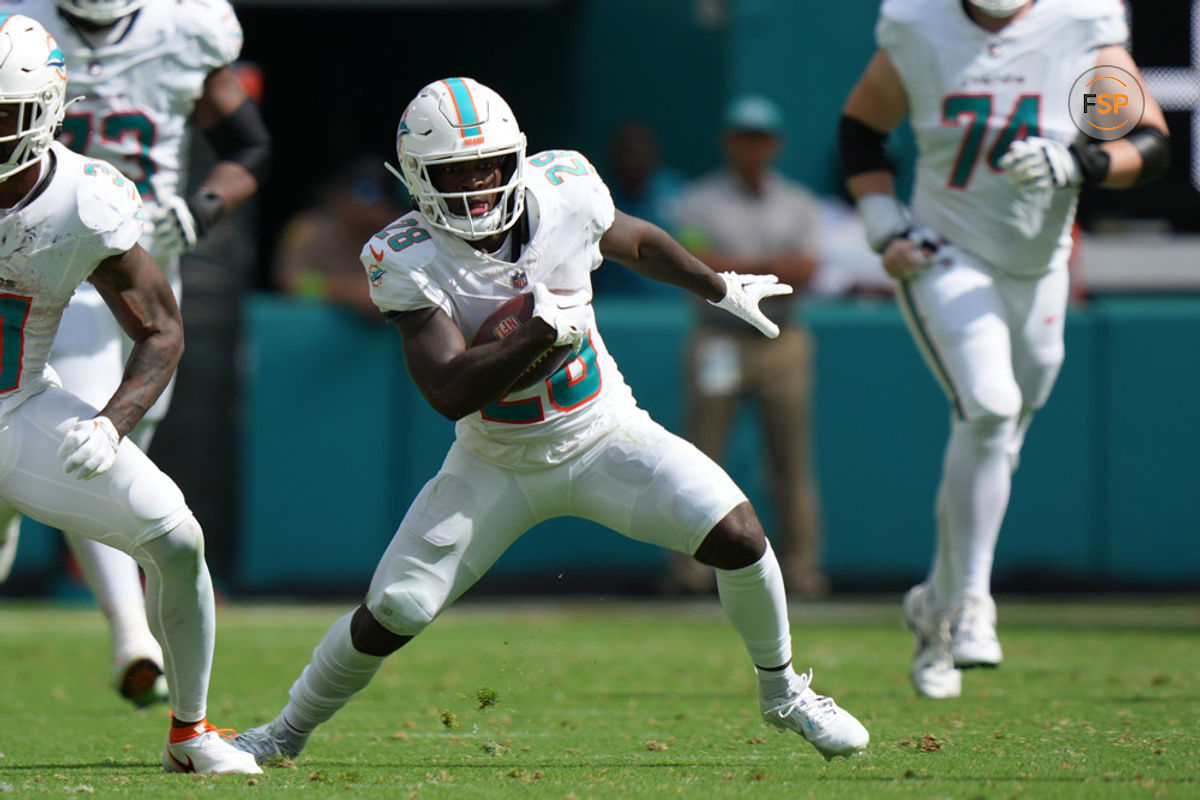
{"x":338,"y":442}
{"x":659,"y":63}
{"x":656,"y":63}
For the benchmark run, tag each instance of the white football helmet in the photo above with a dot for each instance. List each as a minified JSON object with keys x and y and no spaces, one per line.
{"x":101,"y":12}
{"x":33,"y":77}
{"x":999,"y":8}
{"x":459,"y":119}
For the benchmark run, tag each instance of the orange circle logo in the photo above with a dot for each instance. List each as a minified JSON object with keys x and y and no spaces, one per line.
{"x":1106,"y":102}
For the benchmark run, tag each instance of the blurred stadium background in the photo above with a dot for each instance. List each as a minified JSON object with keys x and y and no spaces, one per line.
{"x":299,"y":440}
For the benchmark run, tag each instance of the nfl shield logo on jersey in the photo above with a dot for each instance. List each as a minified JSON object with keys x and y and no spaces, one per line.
{"x":520,"y":280}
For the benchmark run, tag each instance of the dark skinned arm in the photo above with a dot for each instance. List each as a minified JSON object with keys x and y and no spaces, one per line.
{"x":794,"y":268}
{"x":650,"y":251}
{"x":140,"y":298}
{"x":458,"y":380}
{"x":222,"y":95}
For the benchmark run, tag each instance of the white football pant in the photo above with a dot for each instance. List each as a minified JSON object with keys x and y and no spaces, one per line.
{"x":995,"y":344}
{"x":639,"y":480}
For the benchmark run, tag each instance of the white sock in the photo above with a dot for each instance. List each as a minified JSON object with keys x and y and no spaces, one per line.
{"x":774,"y":682}
{"x":113,"y":578}
{"x":972,"y":499}
{"x":336,"y":673}
{"x":754,"y":601}
{"x":182,"y":614}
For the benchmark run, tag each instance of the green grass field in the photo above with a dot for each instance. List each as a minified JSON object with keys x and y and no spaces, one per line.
{"x":619,"y":699}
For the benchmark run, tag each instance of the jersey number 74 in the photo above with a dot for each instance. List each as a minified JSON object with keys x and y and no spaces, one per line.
{"x":977,"y":110}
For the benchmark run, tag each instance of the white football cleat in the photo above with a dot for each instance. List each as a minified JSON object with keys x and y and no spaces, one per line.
{"x":8,"y":546}
{"x":973,"y":641}
{"x":828,"y":727}
{"x":204,"y":750}
{"x":140,"y":680}
{"x":933,"y":673}
{"x":272,"y":742}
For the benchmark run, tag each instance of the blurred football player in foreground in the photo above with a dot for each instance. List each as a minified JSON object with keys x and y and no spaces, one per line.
{"x":981,"y":261}
{"x":69,"y":219}
{"x":136,"y":112}
{"x":491,"y":224}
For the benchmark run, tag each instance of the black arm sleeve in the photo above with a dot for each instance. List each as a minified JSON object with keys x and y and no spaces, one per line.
{"x":861,"y":148}
{"x":1151,"y":144}
{"x":1155,"y":150}
{"x":242,"y":138}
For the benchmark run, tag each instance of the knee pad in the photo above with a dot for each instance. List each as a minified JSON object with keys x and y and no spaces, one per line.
{"x":401,"y":610}
{"x":181,"y":548}
{"x":371,"y":638}
{"x":992,"y":398}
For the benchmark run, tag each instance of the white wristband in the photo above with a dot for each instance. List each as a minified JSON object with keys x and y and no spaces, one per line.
{"x":884,"y":219}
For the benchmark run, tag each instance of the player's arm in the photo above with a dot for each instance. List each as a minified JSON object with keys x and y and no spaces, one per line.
{"x":877,"y":104}
{"x":1143,"y":155}
{"x":650,"y":251}
{"x":234,"y":127}
{"x":133,"y":286}
{"x":458,"y":380}
{"x":794,"y":268}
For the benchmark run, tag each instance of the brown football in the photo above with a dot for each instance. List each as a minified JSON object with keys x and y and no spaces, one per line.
{"x":506,"y":319}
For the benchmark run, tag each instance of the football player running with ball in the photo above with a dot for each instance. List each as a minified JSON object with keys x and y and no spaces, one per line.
{"x":492,"y":223}
{"x":981,"y":261}
{"x":69,"y":219}
{"x":144,"y":72}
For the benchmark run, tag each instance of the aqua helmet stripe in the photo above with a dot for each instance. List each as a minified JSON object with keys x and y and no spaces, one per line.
{"x":468,"y":117}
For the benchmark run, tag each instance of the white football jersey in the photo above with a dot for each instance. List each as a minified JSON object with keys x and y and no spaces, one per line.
{"x":970,"y":94}
{"x":412,"y":265}
{"x":48,"y":246}
{"x":139,"y":91}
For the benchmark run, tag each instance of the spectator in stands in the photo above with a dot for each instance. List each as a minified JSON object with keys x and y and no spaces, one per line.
{"x":317,"y":255}
{"x":748,"y":218}
{"x":641,"y":187}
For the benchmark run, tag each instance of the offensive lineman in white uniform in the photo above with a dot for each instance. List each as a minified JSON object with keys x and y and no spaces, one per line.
{"x":141,"y":68}
{"x":491,"y":223}
{"x":69,"y":219}
{"x":981,"y":261}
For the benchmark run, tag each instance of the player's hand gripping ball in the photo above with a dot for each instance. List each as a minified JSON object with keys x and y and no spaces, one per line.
{"x":506,"y":319}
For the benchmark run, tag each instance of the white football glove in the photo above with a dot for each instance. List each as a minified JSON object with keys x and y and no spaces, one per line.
{"x":1036,"y":164}
{"x":89,"y":448}
{"x":742,"y":295}
{"x":566,"y":313}
{"x":174,"y":227}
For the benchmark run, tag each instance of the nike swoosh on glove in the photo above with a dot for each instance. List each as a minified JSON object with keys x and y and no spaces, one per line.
{"x":89,"y":448}
{"x":1037,"y":164}
{"x":566,"y":313}
{"x":743,"y":294}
